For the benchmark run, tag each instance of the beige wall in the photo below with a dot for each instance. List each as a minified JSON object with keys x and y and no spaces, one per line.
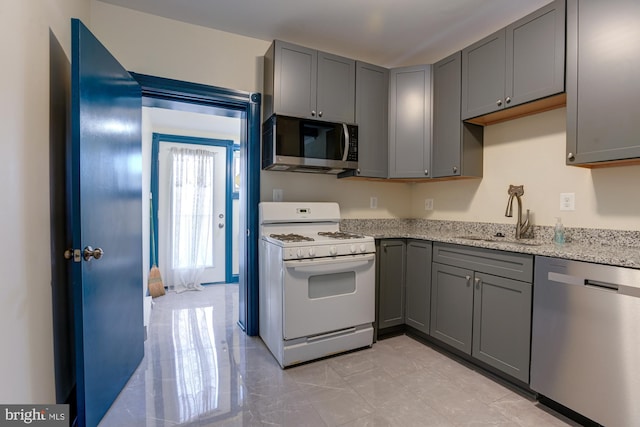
{"x":26,"y":353}
{"x":528,"y":151}
{"x":531,"y":151}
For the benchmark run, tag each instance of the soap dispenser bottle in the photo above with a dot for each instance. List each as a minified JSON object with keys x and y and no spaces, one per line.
{"x":558,"y":232}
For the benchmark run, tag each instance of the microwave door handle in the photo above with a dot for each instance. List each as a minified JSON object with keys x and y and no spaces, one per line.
{"x":345,"y":146}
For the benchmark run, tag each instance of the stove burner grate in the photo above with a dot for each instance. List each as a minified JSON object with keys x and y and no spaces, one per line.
{"x":339,"y":235}
{"x":291,"y":237}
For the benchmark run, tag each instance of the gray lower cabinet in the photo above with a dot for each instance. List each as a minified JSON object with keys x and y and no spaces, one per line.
{"x":456,"y":148}
{"x":452,"y":306}
{"x":481,"y":305}
{"x":372,"y":117}
{"x":602,"y":89}
{"x":391,"y":282}
{"x":410,"y":122}
{"x":502,"y":324}
{"x":520,"y":63}
{"x":418,"y":285}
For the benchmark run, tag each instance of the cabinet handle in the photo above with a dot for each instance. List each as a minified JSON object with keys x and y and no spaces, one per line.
{"x":508,"y":100}
{"x":320,"y":114}
{"x":468,"y":280}
{"x":455,"y":169}
{"x":426,"y":172}
{"x":478,"y":281}
{"x":499,"y":102}
{"x":570,"y":156}
{"x":358,"y":171}
{"x":313,"y":113}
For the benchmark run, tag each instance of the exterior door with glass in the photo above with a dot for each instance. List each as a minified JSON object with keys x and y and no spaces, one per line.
{"x":214,"y":226}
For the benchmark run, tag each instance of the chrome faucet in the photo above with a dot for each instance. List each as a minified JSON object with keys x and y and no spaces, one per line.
{"x":517,"y":191}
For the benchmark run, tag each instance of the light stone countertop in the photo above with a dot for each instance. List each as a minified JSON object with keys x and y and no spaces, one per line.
{"x":611,"y":247}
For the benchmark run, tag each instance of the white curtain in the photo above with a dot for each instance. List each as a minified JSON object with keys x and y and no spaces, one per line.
{"x":191,"y":217}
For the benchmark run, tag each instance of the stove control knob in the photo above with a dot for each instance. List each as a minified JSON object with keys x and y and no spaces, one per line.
{"x":363,"y":248}
{"x":312,"y":252}
{"x":353,"y":249}
{"x":299,"y":253}
{"x":333,"y":251}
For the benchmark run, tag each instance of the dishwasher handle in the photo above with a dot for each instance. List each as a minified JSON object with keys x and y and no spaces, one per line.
{"x":568,"y":279}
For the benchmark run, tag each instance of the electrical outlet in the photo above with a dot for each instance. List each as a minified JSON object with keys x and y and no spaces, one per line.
{"x":373,"y":202}
{"x":278,"y":194}
{"x":567,"y":201}
{"x":428,"y":204}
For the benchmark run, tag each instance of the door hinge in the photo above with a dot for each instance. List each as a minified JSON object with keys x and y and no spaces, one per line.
{"x":74,"y":254}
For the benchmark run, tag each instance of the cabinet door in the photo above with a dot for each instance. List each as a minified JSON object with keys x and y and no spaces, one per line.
{"x":452,"y":306}
{"x":391,"y":284}
{"x":483,"y":76}
{"x":336,"y":88}
{"x":295,"y":80}
{"x":535,"y":55}
{"x":447,"y":138}
{"x":502,"y":324}
{"x":372,"y":117}
{"x":418,"y":285}
{"x":602,"y":72}
{"x":410,"y":122}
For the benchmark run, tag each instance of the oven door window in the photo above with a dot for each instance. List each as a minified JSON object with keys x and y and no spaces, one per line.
{"x":329,"y":285}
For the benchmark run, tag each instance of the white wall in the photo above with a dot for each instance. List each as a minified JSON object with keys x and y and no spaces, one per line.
{"x":531,"y":151}
{"x":26,"y":353}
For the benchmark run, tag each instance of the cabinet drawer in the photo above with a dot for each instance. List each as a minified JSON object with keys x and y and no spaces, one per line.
{"x":504,"y":264}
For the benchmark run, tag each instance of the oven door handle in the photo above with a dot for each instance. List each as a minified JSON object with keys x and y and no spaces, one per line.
{"x":325,"y":265}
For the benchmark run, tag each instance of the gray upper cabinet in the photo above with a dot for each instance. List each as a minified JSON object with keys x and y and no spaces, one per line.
{"x":307,"y":83}
{"x":456,"y":146}
{"x":410,"y":122}
{"x":602,"y":89}
{"x":391,"y":283}
{"x":418,"y":285}
{"x":483,"y":76}
{"x":518,"y":64}
{"x":372,"y":117}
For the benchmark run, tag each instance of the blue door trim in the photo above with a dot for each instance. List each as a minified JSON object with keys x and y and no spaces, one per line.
{"x":158,"y":91}
{"x":228,"y":209}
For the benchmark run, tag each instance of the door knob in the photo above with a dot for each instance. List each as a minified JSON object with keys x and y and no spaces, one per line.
{"x":88,"y":253}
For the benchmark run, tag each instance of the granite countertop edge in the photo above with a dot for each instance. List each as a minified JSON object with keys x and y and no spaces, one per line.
{"x":610,"y":247}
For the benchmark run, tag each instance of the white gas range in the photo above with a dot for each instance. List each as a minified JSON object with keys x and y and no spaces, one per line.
{"x":317,"y":284}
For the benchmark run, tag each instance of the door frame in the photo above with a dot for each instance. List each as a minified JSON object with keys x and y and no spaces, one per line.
{"x":228,"y":188}
{"x":164,"y":93}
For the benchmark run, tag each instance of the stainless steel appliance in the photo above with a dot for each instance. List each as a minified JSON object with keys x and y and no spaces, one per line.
{"x":317,"y":285}
{"x":585,"y":350}
{"x":305,"y":145}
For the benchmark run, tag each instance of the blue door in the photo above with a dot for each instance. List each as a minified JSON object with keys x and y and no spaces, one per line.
{"x":105,"y":201}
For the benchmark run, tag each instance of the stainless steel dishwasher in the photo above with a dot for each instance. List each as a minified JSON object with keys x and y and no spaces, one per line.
{"x":585,"y":345}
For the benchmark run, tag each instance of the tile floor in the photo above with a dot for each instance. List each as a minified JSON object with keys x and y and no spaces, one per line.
{"x":200,"y":369}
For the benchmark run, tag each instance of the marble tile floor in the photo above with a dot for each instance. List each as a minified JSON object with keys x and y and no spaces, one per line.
{"x":200,"y":369}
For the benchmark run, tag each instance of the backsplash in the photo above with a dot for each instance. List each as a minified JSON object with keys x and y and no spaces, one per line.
{"x":395,"y":227}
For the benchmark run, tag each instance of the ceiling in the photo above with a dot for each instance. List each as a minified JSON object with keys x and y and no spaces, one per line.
{"x":390,"y":33}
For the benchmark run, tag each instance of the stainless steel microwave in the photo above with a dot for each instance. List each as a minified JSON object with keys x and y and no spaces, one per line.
{"x":304,"y":145}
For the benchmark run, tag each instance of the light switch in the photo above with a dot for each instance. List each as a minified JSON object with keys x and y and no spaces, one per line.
{"x":278,"y":194}
{"x":373,"y":202}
